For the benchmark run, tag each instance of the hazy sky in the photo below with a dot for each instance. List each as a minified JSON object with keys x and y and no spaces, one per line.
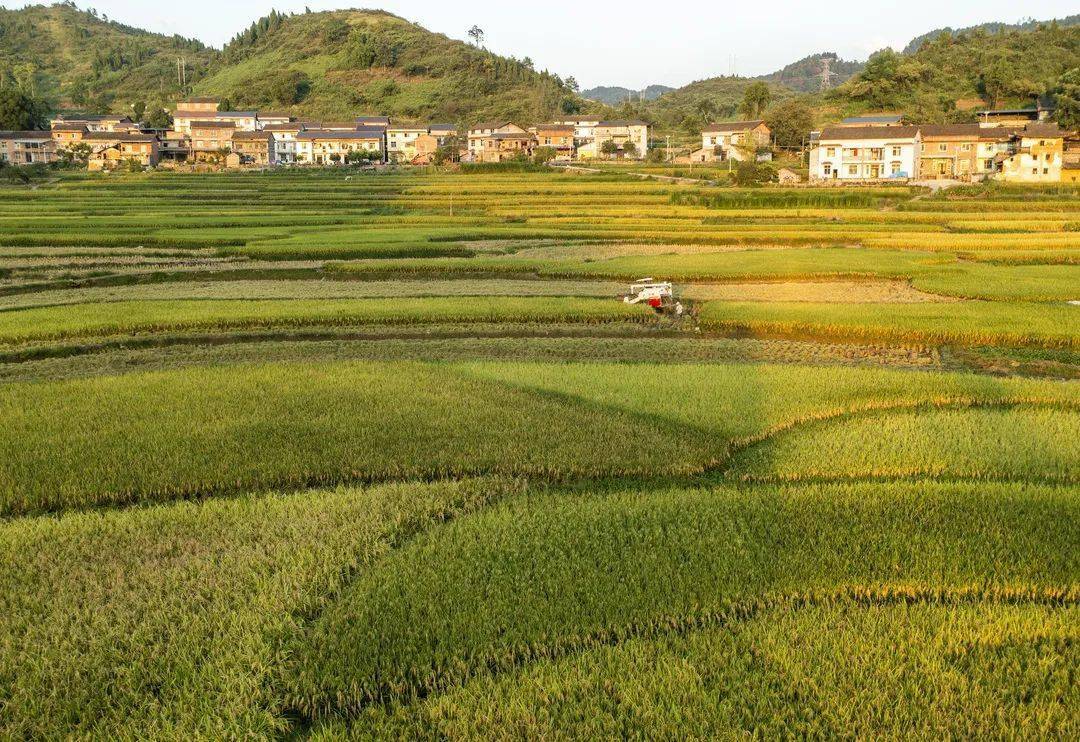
{"x":626,"y":43}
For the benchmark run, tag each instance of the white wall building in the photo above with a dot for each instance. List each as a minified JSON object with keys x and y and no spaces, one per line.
{"x":866,"y":153}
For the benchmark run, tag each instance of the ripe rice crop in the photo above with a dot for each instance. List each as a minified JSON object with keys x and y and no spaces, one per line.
{"x":170,"y":621}
{"x":968,"y":670}
{"x":550,"y":576}
{"x":128,"y":317}
{"x":206,"y":431}
{"x":1026,"y":443}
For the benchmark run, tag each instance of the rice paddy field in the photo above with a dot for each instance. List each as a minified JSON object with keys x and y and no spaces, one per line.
{"x":342,"y":455}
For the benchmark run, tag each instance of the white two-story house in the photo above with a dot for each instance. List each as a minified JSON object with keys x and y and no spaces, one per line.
{"x":866,"y":153}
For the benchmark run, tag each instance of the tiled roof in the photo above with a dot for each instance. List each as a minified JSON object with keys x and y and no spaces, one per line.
{"x":252,"y":136}
{"x":42,"y":135}
{"x":213,"y":125}
{"x":236,"y":114}
{"x":971,"y":131}
{"x":868,"y":132}
{"x":1050,"y":131}
{"x":367,"y":133}
{"x":489,"y":125}
{"x":68,"y":127}
{"x":632,"y":122}
{"x":732,"y":126}
{"x":118,"y":136}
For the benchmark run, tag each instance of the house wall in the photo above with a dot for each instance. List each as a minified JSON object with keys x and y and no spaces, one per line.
{"x":866,"y":159}
{"x":1036,"y":161}
{"x":948,"y":158}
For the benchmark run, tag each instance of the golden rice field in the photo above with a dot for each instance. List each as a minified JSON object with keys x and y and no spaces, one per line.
{"x":339,"y":455}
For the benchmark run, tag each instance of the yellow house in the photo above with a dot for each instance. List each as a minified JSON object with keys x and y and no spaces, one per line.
{"x":1035,"y":156}
{"x":113,"y":149}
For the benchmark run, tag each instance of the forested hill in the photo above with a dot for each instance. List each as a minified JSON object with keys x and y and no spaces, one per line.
{"x":340,"y":63}
{"x":914,"y":45}
{"x":334,"y":64}
{"x":76,"y":58}
{"x":1006,"y":68}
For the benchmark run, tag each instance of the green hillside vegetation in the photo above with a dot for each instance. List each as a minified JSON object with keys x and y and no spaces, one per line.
{"x":915,"y":44}
{"x":1006,"y":69}
{"x":343,"y":63}
{"x":75,"y":58}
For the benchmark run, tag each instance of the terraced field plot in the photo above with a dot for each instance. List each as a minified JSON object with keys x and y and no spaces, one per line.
{"x":304,"y":454}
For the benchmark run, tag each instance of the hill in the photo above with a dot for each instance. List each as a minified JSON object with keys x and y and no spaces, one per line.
{"x":804,"y":76}
{"x":332,"y":64}
{"x":342,"y":63}
{"x":914,"y":45}
{"x":615,"y":95}
{"x":1005,"y":68}
{"x":74,"y":58}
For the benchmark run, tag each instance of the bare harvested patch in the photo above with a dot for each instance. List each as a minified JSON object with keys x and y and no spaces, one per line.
{"x":841,"y":292}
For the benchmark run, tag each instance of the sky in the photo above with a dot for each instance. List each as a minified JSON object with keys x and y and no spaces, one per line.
{"x":628,"y":43}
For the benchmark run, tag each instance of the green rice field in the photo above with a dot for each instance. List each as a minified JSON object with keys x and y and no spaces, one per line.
{"x":348,"y":455}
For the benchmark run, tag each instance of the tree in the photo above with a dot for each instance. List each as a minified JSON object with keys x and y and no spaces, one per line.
{"x":75,"y":153}
{"x":790,"y":122}
{"x":706,"y":109}
{"x":608,"y":147}
{"x":225,"y":104}
{"x":159,"y":118}
{"x":544,"y":155}
{"x":755,"y":99}
{"x":138,"y":108}
{"x":572,"y":84}
{"x":629,"y":149}
{"x":1067,"y":95}
{"x":477,"y":35}
{"x":751,"y":173}
{"x":20,"y":111}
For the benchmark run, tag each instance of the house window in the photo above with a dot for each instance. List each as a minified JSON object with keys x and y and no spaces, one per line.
{"x":827,"y":169}
{"x":943,"y":148}
{"x":831,"y":151}
{"x":1034,"y":171}
{"x":1046,"y":171}
{"x":853,"y":170}
{"x":895,"y":168}
{"x":965,"y":147}
{"x":895,"y":151}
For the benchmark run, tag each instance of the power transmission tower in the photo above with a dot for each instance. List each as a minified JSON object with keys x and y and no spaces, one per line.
{"x":826,"y":73}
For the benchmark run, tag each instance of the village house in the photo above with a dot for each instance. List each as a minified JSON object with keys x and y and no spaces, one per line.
{"x":210,"y":139}
{"x":584,"y":128}
{"x":193,"y":109}
{"x":1015,"y":116}
{"x":27,"y":147}
{"x":866,"y":153}
{"x":1035,"y":155}
{"x":174,"y":146}
{"x":953,"y":152}
{"x":631,"y":137}
{"x":559,"y":137}
{"x":96,"y":123}
{"x":254,"y":148}
{"x":372,"y":122}
{"x":480,"y":133}
{"x":401,"y":142}
{"x":1070,"y":172}
{"x":241,"y":120}
{"x":735,"y":140}
{"x":425,"y":146}
{"x":331,"y":147}
{"x":503,"y":146}
{"x":284,"y":141}
{"x":112,"y":149}
{"x":269,"y":118}
{"x":67,"y":134}
{"x":442,"y":132}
